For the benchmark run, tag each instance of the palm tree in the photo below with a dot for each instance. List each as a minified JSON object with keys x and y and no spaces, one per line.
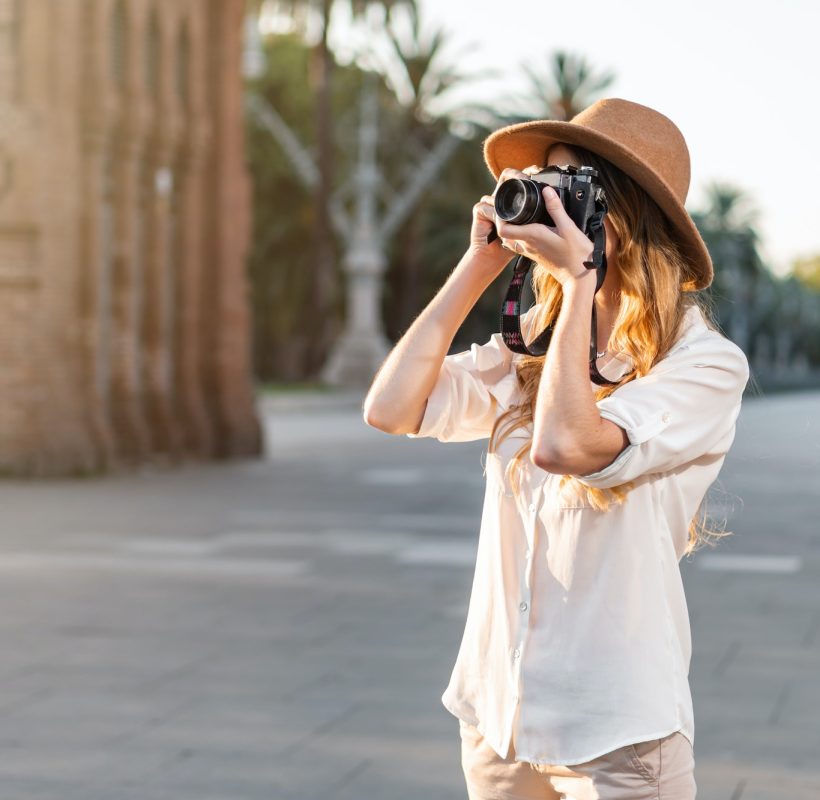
{"x":417,"y":75}
{"x":741,"y":286}
{"x":569,"y":85}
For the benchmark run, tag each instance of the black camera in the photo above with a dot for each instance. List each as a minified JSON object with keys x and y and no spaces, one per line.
{"x":520,"y":200}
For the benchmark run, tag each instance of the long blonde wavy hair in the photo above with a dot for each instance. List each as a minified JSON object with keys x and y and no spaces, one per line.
{"x":655,"y":294}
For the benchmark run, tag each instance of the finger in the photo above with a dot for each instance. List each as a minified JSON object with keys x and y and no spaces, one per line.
{"x":556,"y":210}
{"x":528,"y":235}
{"x":486,"y":209}
{"x":510,"y":172}
{"x":507,"y":174}
{"x":515,"y":246}
{"x":531,"y":170}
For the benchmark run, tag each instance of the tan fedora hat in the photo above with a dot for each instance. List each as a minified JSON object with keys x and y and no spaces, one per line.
{"x":640,"y":141}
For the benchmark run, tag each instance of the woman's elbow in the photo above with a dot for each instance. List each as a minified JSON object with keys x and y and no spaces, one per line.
{"x":375,"y":419}
{"x":558,"y":455}
{"x":385,"y":423}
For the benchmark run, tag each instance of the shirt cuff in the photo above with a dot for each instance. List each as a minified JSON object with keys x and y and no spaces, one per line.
{"x":637,"y":433}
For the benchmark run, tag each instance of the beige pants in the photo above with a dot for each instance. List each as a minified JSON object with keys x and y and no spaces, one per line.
{"x":660,"y":769}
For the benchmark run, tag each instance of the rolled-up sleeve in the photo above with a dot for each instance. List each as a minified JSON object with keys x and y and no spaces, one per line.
{"x":684,"y":409}
{"x":465,"y":399}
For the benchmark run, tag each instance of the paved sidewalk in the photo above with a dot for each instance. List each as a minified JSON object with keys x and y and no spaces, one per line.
{"x":283,"y":628}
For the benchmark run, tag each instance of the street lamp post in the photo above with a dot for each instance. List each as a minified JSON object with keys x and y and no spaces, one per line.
{"x":363,"y":346}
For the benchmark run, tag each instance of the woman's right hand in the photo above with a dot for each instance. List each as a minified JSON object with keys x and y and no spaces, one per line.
{"x":495,"y":252}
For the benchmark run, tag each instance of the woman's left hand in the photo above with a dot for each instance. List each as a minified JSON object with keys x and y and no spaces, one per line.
{"x":562,"y":250}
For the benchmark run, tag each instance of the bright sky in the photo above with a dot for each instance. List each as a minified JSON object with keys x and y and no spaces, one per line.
{"x":738,"y":78}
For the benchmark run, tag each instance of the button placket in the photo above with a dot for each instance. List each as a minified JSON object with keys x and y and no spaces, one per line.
{"x":531,"y":525}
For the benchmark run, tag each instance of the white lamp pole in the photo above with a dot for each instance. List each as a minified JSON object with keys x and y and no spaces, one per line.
{"x":363,"y":346}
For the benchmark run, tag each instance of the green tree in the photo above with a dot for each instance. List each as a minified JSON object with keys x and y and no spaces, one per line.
{"x":282,"y":258}
{"x":326,"y":298}
{"x":775,"y":321}
{"x":807,"y":271}
{"x":742,"y":288}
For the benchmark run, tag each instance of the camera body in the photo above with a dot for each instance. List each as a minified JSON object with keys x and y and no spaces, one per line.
{"x":520,"y":200}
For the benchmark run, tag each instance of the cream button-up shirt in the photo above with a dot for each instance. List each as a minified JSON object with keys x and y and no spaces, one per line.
{"x":577,"y":638}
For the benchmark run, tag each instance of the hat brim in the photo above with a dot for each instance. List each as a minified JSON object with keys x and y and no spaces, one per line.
{"x":525,"y":143}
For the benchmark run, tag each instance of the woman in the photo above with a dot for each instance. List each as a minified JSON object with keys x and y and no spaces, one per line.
{"x":572,"y":676}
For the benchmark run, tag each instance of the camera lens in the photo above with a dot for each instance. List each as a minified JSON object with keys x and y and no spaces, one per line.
{"x":517,"y":200}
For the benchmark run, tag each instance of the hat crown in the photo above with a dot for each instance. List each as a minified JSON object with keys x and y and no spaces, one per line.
{"x":652,"y":137}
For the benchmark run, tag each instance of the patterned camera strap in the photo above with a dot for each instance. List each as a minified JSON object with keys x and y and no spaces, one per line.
{"x":511,"y":309}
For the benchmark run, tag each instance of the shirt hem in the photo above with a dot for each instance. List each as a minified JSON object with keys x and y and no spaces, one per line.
{"x":574,"y":761}
{"x":458,"y":714}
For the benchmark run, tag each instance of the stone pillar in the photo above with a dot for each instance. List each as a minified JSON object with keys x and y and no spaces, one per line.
{"x":99,"y":341}
{"x":158,"y":345}
{"x":226,"y":328}
{"x":127,"y":412}
{"x":362,"y":348}
{"x":96,"y":112}
{"x":193,"y":186}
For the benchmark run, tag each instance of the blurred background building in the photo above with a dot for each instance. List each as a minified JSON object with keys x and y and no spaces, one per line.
{"x":124,"y":226}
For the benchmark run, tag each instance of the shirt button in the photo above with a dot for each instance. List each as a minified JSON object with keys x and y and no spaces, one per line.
{"x":523,"y":606}
{"x":532,"y":506}
{"x":516,"y":653}
{"x":666,"y":417}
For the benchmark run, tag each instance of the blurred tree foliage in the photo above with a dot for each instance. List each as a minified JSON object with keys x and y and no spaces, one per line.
{"x":421,"y":255}
{"x":776,"y":321}
{"x":569,"y":84}
{"x":807,"y":271}
{"x":325,"y":288}
{"x":435,"y":235}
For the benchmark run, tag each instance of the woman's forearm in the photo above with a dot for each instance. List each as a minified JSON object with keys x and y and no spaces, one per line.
{"x":396,"y":399}
{"x":569,"y":435}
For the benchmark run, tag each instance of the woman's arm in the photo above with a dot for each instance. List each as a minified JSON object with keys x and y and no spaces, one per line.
{"x":569,"y":435}
{"x":396,"y":400}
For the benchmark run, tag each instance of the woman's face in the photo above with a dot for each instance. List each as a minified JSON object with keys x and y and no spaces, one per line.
{"x":561,"y":155}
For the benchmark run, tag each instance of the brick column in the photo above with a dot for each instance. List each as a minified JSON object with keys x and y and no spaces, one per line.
{"x":127,"y":414}
{"x":227,"y":324}
{"x":158,"y":345}
{"x":192,"y":409}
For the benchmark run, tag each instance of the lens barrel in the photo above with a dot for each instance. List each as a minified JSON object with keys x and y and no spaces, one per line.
{"x":517,"y":200}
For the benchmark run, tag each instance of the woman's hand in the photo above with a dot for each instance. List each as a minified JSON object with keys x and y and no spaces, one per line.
{"x":561,"y":250}
{"x":500,"y":250}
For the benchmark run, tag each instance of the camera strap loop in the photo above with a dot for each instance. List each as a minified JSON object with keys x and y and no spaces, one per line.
{"x":598,"y":236}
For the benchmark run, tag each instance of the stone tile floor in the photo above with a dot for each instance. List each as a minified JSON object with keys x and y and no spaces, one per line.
{"x":284,"y":628}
